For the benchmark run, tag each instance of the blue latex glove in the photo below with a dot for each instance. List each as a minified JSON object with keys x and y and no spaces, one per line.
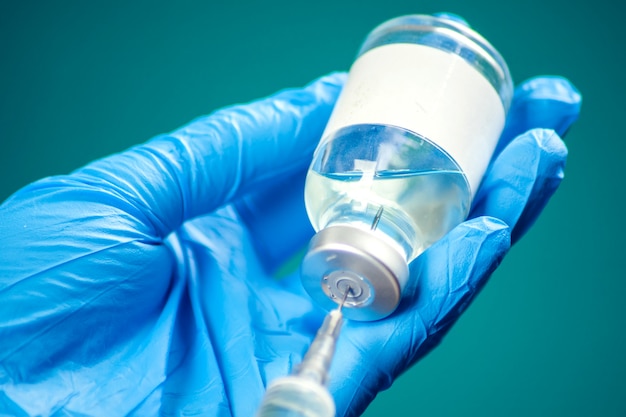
{"x":134,"y":287}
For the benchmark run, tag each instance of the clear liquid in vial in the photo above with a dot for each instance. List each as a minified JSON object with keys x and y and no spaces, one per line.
{"x":418,"y":207}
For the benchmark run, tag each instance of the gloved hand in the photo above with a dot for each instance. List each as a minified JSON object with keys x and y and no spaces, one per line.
{"x":133,"y":286}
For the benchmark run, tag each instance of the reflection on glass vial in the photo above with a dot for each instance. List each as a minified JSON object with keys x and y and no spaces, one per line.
{"x":415,"y":192}
{"x":401,"y":158}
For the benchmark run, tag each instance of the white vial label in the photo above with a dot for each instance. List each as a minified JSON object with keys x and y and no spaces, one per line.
{"x":433,"y":93}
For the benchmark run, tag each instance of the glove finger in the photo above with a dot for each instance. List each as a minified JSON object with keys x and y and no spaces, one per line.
{"x":445,"y":279}
{"x":522,"y":179}
{"x":216,"y":158}
{"x":541,"y":102}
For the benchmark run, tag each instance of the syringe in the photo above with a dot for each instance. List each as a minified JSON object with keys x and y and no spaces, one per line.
{"x":304,"y":393}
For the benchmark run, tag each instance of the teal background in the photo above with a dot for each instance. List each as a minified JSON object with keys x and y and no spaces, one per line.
{"x":80,"y":80}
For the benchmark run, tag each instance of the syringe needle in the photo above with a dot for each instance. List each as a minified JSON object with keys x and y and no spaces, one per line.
{"x":377,"y":217}
{"x":345,"y":297}
{"x":304,"y":392}
{"x":316,"y":362}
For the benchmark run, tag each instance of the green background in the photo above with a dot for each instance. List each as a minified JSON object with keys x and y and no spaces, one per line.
{"x":80,"y":80}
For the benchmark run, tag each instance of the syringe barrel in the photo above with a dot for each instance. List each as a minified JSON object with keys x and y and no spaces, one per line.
{"x":295,"y":396}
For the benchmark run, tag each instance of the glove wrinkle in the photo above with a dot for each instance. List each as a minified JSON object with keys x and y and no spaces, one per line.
{"x":522,"y":179}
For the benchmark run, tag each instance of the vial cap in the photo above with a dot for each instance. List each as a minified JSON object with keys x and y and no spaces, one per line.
{"x":342,"y":257}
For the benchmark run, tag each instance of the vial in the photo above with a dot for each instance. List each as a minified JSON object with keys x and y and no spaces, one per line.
{"x":401,"y":158}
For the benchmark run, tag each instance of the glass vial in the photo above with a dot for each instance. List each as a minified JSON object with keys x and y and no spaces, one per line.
{"x":403,"y":153}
